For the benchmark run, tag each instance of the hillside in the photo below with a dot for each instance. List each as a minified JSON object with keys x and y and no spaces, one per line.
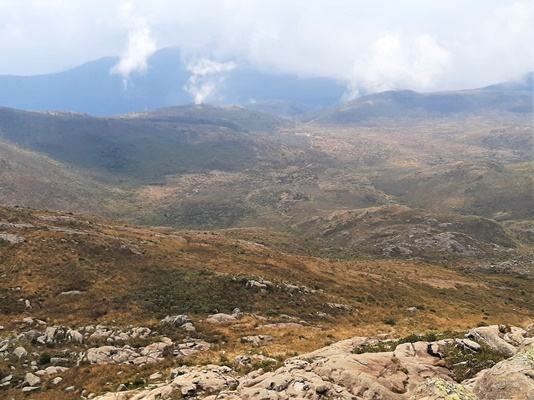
{"x":142,"y":146}
{"x":35,"y":180}
{"x":46,"y":254}
{"x":510,"y":97}
{"x":83,"y":296}
{"x":263,"y":240}
{"x":205,"y":167}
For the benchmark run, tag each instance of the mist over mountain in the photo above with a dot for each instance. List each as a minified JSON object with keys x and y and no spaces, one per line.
{"x":92,"y":87}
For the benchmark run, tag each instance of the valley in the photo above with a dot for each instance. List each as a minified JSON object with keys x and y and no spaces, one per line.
{"x":140,"y":250}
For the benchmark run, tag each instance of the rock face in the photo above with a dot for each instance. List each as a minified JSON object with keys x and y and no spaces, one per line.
{"x":414,"y":371}
{"x":509,"y":379}
{"x":127,"y":355}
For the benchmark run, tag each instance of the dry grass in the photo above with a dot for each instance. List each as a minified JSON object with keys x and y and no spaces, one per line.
{"x":130,"y":275}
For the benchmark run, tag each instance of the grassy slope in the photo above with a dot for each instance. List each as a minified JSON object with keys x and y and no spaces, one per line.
{"x":139,"y":274}
{"x":32,"y":179}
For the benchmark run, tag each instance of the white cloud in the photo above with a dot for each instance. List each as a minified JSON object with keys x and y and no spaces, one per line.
{"x":140,"y":47}
{"x":206,"y":76}
{"x":394,"y":63}
{"x":413,"y":44}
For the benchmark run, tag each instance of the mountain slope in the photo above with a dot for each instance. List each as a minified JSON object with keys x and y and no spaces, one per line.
{"x":510,"y":97}
{"x":139,"y":274}
{"x":91,"y":88}
{"x":208,"y":167}
{"x":34,"y":180}
{"x":142,"y":146}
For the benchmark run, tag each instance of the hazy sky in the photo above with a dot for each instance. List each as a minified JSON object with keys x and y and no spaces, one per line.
{"x":379,"y":44}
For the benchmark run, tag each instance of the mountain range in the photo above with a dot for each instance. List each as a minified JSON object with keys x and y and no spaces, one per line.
{"x":157,"y":239}
{"x":92,"y":88}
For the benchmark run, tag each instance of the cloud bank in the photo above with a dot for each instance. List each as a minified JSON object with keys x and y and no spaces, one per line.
{"x":371,"y":46}
{"x":206,"y":77}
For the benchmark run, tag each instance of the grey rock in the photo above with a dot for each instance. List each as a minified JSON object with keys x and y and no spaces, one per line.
{"x":57,"y":380}
{"x":155,"y":376}
{"x":493,"y":338}
{"x":110,"y":355}
{"x":122,"y":388}
{"x":468,"y":344}
{"x":74,"y":336}
{"x":177,"y":320}
{"x":29,"y":389}
{"x":257,"y":340}
{"x":59,"y":361}
{"x":11,"y":238}
{"x":20,"y":352}
{"x":221,"y":318}
{"x":32,"y":379}
{"x":189,"y":327}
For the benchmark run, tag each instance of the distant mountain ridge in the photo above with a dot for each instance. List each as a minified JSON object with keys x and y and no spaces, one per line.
{"x":511,"y":97}
{"x":91,"y":88}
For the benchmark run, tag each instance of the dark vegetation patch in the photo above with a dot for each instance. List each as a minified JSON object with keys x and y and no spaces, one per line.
{"x":466,"y":364}
{"x":183,"y":290}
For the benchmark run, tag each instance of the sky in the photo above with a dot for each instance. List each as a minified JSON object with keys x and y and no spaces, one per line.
{"x":377,"y":45}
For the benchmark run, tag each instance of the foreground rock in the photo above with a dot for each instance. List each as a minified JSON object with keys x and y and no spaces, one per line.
{"x":415,"y":371}
{"x":509,"y":379}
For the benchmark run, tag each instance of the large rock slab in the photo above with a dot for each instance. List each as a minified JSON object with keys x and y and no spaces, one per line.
{"x":509,"y":379}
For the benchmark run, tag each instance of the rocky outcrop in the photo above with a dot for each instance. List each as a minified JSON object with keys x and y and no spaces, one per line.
{"x":221,"y":318}
{"x":510,"y":379}
{"x":508,"y":340}
{"x":415,"y":371}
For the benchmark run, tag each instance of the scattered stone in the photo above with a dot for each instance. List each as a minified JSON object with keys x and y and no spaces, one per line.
{"x":11,"y":238}
{"x":71,"y":292}
{"x":122,"y":388}
{"x":177,"y":320}
{"x":155,"y":376}
{"x":221,"y":318}
{"x":57,"y":380}
{"x":20,"y":352}
{"x":257,"y":340}
{"x":252,"y":284}
{"x":32,"y":379}
{"x":29,"y":389}
{"x":412,"y":309}
{"x":469,"y":344}
{"x":281,"y":325}
{"x":189,"y":327}
{"x":339,"y":306}
{"x":59,"y":361}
